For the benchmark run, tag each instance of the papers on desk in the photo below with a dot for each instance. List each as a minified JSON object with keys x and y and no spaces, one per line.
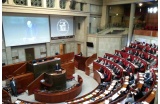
{"x":126,"y":77}
{"x":141,"y":78}
{"x":35,"y":64}
{"x":42,"y":80}
{"x":57,"y":58}
{"x":123,"y":89}
{"x":107,"y":101}
{"x":142,"y":82}
{"x":110,"y":87}
{"x":115,"y":96}
{"x":126,"y":83}
{"x":106,"y":92}
{"x":144,"y":102}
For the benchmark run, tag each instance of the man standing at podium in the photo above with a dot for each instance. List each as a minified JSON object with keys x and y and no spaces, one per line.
{"x":57,"y":67}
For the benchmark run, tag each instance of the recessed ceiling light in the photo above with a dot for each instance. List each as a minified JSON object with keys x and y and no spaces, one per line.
{"x":140,"y":4}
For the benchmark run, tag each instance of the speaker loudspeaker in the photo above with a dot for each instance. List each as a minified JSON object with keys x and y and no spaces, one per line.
{"x":72,"y":4}
{"x":3,"y":1}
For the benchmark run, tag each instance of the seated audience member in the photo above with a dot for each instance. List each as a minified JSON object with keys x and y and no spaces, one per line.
{"x":136,"y":47}
{"x":129,"y":58}
{"x":142,"y":56}
{"x":128,"y":69}
{"x":148,"y":58}
{"x":135,"y":61}
{"x":144,"y":49}
{"x":108,"y":65}
{"x":139,"y":63}
{"x":150,"y":51}
{"x":140,"y":67}
{"x":105,"y":77}
{"x":153,"y":51}
{"x":57,"y":67}
{"x":117,"y":74}
{"x":153,"y":63}
{"x":116,"y":54}
{"x":116,"y":60}
{"x":138,"y":94}
{"x":102,"y":62}
{"x":114,"y":69}
{"x":148,"y":78}
{"x":123,"y":49}
{"x":101,"y":70}
{"x":34,"y":62}
{"x":98,"y":61}
{"x":151,"y":60}
{"x":121,"y":63}
{"x":112,"y":66}
{"x":119,"y":54}
{"x":131,"y":79}
{"x":136,"y":53}
{"x":129,"y":98}
{"x":104,"y":56}
{"x":80,"y":54}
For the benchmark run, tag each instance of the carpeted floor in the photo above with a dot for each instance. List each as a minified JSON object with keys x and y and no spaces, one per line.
{"x":88,"y":85}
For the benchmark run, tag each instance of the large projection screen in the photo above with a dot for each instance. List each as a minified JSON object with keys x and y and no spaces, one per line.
{"x":24,"y":30}
{"x":61,"y":26}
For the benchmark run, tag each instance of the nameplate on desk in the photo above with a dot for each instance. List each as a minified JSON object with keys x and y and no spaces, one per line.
{"x":35,"y":64}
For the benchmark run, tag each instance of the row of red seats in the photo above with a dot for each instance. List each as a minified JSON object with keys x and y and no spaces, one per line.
{"x":147,"y":27}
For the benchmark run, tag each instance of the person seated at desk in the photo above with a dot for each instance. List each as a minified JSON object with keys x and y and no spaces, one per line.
{"x":123,"y":49}
{"x":119,"y":54}
{"x":57,"y":67}
{"x":136,"y":53}
{"x":148,"y":78}
{"x":117,"y":73}
{"x":104,"y":56}
{"x":108,"y":65}
{"x":131,"y":79}
{"x":13,"y":86}
{"x":129,"y":58}
{"x":98,"y":61}
{"x":140,"y":67}
{"x":128,"y":99}
{"x":138,"y":94}
{"x":144,"y":49}
{"x":121,"y":63}
{"x":116,"y":54}
{"x":34,"y":62}
{"x":128,"y":69}
{"x":148,"y":58}
{"x":142,"y":56}
{"x":112,"y":66}
{"x":101,"y":70}
{"x":116,"y":60}
{"x":135,"y":61}
{"x":153,"y":63}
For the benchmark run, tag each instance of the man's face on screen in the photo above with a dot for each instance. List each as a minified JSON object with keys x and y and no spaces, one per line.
{"x":29,"y":24}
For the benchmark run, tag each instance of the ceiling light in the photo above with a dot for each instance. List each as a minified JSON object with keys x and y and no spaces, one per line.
{"x":140,"y":4}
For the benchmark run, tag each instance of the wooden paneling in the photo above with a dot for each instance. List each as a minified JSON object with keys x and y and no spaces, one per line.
{"x":66,"y":57}
{"x":88,"y":62}
{"x":8,"y":70}
{"x":146,"y":33}
{"x":35,"y":85}
{"x":69,"y":67}
{"x":59,"y":97}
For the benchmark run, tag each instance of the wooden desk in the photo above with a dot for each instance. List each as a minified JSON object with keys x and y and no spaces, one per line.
{"x":60,"y":96}
{"x":150,"y":97}
{"x":42,"y":67}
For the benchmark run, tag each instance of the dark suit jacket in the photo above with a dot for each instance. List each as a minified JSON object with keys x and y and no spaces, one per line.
{"x":57,"y":67}
{"x":131,"y":78}
{"x":13,"y":86}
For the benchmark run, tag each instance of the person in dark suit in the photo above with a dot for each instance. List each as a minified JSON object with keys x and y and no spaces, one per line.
{"x":148,"y":58}
{"x":129,"y":58}
{"x":121,"y":63}
{"x":138,"y":94}
{"x":131,"y":79}
{"x":57,"y":67}
{"x":136,"y":53}
{"x":13,"y":87}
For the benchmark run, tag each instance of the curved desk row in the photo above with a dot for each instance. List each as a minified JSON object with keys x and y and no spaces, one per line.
{"x":49,"y":97}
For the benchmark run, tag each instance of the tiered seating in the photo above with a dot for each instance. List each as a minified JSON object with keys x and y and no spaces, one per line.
{"x":116,"y":96}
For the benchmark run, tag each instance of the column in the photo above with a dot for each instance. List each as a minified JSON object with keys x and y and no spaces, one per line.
{"x":105,"y":16}
{"x":86,"y":28}
{"x":57,"y":4}
{"x":77,"y":7}
{"x":44,"y":3}
{"x":10,"y":2}
{"x":156,"y":97}
{"x":9,"y":55}
{"x":131,"y":23}
{"x":68,"y":4}
{"x":28,"y":2}
{"x":48,"y":49}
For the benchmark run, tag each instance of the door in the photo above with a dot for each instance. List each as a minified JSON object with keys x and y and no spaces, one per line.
{"x":62,"y":48}
{"x":78,"y":48}
{"x":29,"y":52}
